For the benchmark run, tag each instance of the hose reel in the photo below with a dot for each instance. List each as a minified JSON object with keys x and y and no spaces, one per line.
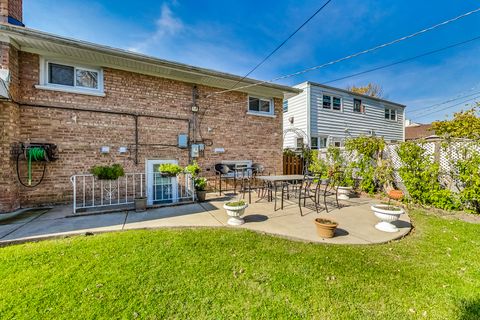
{"x":35,"y":152}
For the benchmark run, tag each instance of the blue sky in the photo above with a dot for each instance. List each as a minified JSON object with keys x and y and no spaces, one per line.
{"x":233,"y":36}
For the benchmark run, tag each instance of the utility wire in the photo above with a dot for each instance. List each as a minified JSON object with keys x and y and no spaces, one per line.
{"x":449,"y":107}
{"x":281,"y":44}
{"x":355,"y":54}
{"x":442,"y":103}
{"x":404,"y":60}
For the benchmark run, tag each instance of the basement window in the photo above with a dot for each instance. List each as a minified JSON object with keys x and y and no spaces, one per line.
{"x":68,"y":77}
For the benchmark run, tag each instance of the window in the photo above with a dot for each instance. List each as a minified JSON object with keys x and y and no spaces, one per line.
{"x":330,"y":102}
{"x":314,"y":142}
{"x":322,"y":142}
{"x":285,"y":105}
{"x":390,"y":114}
{"x":358,"y":106}
{"x":259,"y":105}
{"x":68,"y":77}
{"x":299,"y":143}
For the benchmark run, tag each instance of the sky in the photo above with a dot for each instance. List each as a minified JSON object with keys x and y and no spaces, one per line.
{"x":233,"y":36}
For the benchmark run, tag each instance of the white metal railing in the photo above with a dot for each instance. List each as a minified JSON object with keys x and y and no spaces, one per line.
{"x":164,"y":189}
{"x":90,"y":192}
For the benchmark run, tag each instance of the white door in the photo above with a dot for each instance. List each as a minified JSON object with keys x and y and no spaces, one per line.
{"x":160,"y":189}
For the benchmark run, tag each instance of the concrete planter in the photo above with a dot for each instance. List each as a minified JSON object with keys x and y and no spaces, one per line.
{"x":344,"y":192}
{"x":140,"y":204}
{"x":235,"y":213}
{"x":325,"y":228}
{"x":387,"y":214}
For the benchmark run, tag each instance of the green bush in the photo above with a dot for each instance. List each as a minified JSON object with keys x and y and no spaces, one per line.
{"x":112,"y":172}
{"x":368,"y":151}
{"x":193,"y":169}
{"x":200,"y":184}
{"x":170,"y":169}
{"x":468,"y":175}
{"x":420,"y":176}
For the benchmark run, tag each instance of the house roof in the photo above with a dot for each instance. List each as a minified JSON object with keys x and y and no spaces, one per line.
{"x":418,"y":131}
{"x":362,"y":96}
{"x":43,"y":43}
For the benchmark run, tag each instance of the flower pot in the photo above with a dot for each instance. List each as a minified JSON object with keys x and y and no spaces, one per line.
{"x":325,"y":228}
{"x":201,"y":195}
{"x":395,"y":194}
{"x":387,"y":214}
{"x":344,"y":192}
{"x":140,"y":204}
{"x":235,"y":214}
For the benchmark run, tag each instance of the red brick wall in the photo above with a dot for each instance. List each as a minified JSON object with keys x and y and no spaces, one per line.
{"x":79,"y":135}
{"x":12,"y":8}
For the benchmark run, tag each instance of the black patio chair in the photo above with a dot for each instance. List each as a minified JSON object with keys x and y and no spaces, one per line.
{"x":331,"y":188}
{"x":309,"y":189}
{"x":224,"y":172}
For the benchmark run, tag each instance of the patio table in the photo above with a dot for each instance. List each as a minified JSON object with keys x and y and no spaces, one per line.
{"x":275,"y":179}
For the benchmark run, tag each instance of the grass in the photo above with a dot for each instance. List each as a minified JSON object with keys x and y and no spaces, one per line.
{"x":215,"y":273}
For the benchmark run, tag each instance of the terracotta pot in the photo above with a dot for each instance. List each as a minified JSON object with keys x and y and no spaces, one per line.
{"x":325,"y":229}
{"x":395,"y":194}
{"x":201,"y":195}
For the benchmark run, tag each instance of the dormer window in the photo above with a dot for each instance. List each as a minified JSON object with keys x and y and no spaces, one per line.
{"x":69,"y":77}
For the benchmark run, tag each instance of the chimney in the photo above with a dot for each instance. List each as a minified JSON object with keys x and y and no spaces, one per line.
{"x":11,"y":12}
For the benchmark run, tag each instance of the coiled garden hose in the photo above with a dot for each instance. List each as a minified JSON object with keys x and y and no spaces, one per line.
{"x":32,"y":154}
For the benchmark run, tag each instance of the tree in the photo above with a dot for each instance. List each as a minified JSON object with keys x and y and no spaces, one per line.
{"x":371,"y":89}
{"x":465,"y":124}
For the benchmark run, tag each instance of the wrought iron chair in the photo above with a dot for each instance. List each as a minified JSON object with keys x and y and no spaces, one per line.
{"x":309,"y":189}
{"x":331,"y":188}
{"x":223,"y":171}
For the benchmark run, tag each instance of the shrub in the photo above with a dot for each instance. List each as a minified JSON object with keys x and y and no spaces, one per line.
{"x":193,"y":169}
{"x":200,"y":184}
{"x":170,"y":169}
{"x":112,"y":172}
{"x":468,"y":174}
{"x":420,"y":176}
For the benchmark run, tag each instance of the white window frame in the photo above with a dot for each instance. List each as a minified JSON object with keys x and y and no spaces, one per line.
{"x":311,"y":144}
{"x":331,"y":102}
{"x":390,"y":114}
{"x":46,"y":85}
{"x":362,"y":106}
{"x":270,"y":113}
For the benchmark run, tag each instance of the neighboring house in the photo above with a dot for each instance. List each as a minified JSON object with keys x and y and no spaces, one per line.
{"x":101,"y":105}
{"x":414,"y":131}
{"x":327,"y":116}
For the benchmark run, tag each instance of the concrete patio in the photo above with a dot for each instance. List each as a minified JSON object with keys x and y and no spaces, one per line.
{"x":356,"y":221}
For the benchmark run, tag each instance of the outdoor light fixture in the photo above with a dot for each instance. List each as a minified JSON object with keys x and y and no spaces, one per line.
{"x":122,"y":150}
{"x":105,"y":149}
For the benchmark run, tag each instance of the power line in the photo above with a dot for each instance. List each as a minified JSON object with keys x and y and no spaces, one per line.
{"x":449,"y":107}
{"x":281,"y":44}
{"x":403,"y":61}
{"x":355,"y":54}
{"x":459,"y":96}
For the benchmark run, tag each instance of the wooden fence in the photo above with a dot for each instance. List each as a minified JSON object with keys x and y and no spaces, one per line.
{"x":292,"y":164}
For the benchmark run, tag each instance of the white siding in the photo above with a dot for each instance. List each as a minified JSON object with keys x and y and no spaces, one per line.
{"x":297,"y":108}
{"x":347,"y":123}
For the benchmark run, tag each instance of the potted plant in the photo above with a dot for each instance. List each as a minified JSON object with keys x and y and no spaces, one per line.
{"x":387,"y":214}
{"x":170,"y":169}
{"x":112,"y":172}
{"x":193,"y":169}
{"x":325,"y":227}
{"x":140,"y":204}
{"x":395,"y":194}
{"x":345,"y":183}
{"x":200,"y":186}
{"x":235,"y":210}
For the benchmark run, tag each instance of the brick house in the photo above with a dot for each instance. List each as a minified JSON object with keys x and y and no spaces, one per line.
{"x":83,"y":97}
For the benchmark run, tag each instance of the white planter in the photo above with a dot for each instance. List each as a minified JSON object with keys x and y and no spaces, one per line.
{"x":386,"y":217}
{"x":235,"y":214}
{"x":344,"y":192}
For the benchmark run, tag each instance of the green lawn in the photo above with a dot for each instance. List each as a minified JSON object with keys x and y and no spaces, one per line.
{"x":216,"y":273}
